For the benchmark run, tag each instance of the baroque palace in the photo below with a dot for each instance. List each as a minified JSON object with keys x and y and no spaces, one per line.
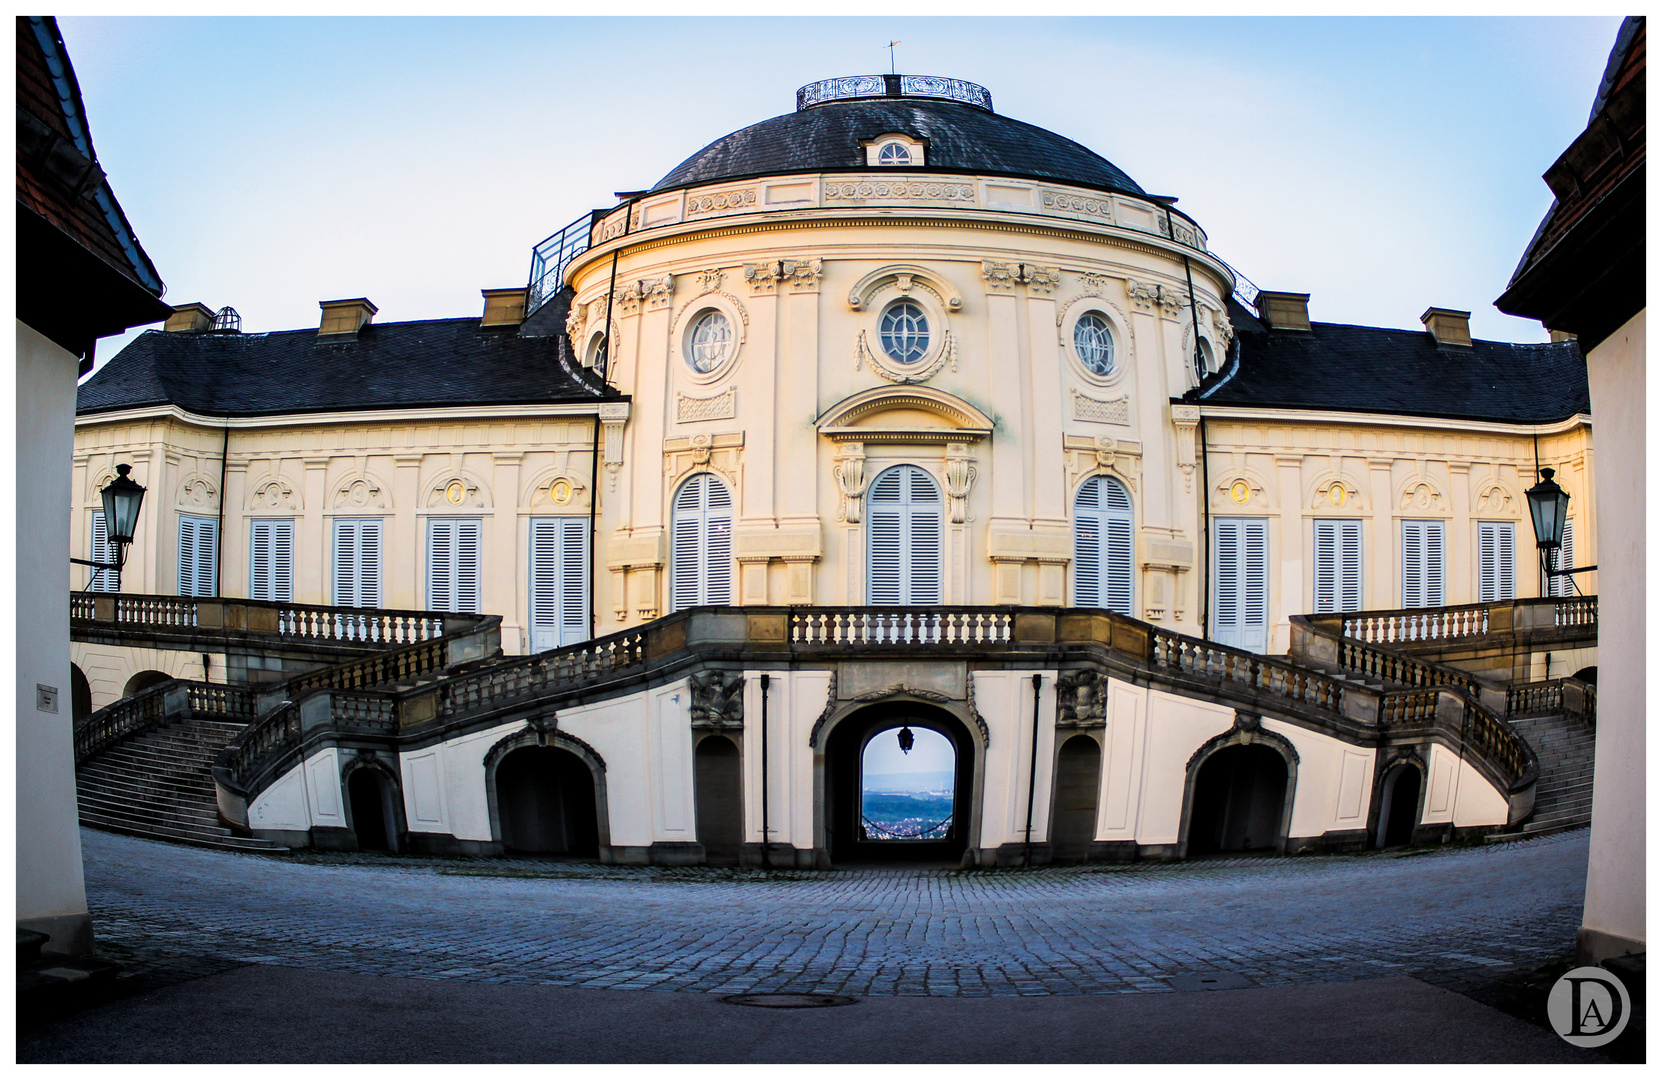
{"x":887,"y":412}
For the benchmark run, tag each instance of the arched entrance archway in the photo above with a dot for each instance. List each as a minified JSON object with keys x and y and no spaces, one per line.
{"x":1073,"y":816}
{"x":718,"y":793}
{"x":545,"y":803}
{"x":1239,"y":801}
{"x":372,"y":799}
{"x":80,"y":694}
{"x":1399,"y":806}
{"x":847,"y":838}
{"x":143,"y":681}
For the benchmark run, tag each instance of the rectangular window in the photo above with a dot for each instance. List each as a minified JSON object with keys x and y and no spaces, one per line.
{"x":1422,"y":564}
{"x":453,"y":564}
{"x":1496,"y":562}
{"x":1563,"y":559}
{"x":1338,"y":566}
{"x":559,"y":581}
{"x":1241,"y":576}
{"x":102,"y":551}
{"x":271,"y":559}
{"x":357,"y":562}
{"x":198,"y":554}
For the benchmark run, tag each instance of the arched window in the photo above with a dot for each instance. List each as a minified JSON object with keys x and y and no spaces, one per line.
{"x":903,"y":538}
{"x":1102,"y":546}
{"x":701,"y":530}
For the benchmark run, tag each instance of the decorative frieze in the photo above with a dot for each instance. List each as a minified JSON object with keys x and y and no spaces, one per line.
{"x":1096,"y":411}
{"x":899,"y":189}
{"x":716,"y":202}
{"x":803,"y":274}
{"x":999,"y":276}
{"x":1043,"y":279}
{"x":360,"y":493}
{"x":723,"y":406}
{"x":709,"y":281}
{"x":656,"y":292}
{"x":762,"y":276}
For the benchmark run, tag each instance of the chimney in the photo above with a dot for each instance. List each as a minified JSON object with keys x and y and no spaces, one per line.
{"x":342,"y":319}
{"x":190,"y":319}
{"x":1448,"y":326}
{"x":503,"y":307}
{"x":1560,"y":335}
{"x":1285,"y":310}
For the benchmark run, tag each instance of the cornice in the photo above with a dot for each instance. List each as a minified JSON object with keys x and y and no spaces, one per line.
{"x":477,"y":414}
{"x":923,"y":217}
{"x":1392,"y":420}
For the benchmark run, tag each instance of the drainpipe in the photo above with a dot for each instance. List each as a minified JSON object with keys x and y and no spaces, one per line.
{"x":594,"y":503}
{"x":767,"y":857}
{"x":1194,"y":312}
{"x":1205,"y":534}
{"x":1032,"y":772}
{"x":219,"y":529}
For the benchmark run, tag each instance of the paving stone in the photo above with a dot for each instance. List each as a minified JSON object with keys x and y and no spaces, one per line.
{"x":1459,"y":918}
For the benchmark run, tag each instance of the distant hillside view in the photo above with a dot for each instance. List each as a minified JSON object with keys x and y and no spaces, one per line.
{"x":907,"y":795}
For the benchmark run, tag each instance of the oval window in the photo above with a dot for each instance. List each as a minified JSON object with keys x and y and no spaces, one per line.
{"x":1093,"y":340}
{"x":709,"y":342}
{"x":904,"y":332}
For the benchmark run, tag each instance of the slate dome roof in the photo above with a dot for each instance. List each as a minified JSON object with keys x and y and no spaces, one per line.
{"x":826,"y":136}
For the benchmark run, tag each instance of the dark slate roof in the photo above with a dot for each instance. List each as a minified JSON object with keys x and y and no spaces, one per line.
{"x":1372,"y":369}
{"x":959,"y":139}
{"x":58,"y":176}
{"x":430,"y":363}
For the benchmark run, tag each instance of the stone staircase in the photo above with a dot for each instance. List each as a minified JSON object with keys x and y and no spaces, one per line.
{"x":159,"y":785}
{"x":1564,"y":793}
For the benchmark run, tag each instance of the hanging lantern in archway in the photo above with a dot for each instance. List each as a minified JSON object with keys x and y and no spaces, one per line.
{"x":906,"y":740}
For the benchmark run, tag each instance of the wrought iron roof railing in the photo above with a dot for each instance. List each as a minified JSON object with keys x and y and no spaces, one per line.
{"x":853,"y":87}
{"x":550,"y":258}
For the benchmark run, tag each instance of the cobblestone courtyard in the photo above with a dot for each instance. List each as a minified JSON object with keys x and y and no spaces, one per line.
{"x":1455,"y":918}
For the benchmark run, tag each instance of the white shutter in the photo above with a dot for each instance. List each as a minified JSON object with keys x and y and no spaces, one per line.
{"x":1087,"y":547}
{"x":198,"y":540}
{"x":559,"y":581}
{"x":271,"y":559}
{"x":441,"y":564}
{"x":102,"y":551}
{"x":357,"y":562}
{"x":701,"y":539}
{"x":1102,"y":545}
{"x":1338,"y":566}
{"x":1240,"y":583}
{"x":453,"y":564}
{"x":1563,"y":559}
{"x":1496,"y":562}
{"x":1422,"y":564}
{"x":903,"y":538}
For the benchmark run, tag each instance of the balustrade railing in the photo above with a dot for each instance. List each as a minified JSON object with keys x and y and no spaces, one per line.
{"x":1419,"y":624}
{"x":1576,"y":611}
{"x":1207,"y":659}
{"x":233,"y":701}
{"x":1406,"y":707}
{"x":359,"y":712}
{"x":262,"y":744}
{"x":129,"y":716}
{"x":899,"y":626}
{"x":408,"y":662}
{"x":294,"y":622}
{"x":571,"y":666}
{"x":1568,"y":697}
{"x":1494,"y":739}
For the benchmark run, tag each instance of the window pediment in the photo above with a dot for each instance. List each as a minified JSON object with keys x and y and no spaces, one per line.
{"x":910,"y":414}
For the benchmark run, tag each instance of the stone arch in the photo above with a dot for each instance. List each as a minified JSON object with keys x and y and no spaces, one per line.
{"x":718,"y":797}
{"x":1386,"y":795}
{"x":1247,"y":732}
{"x":457,"y":489}
{"x":80,"y":694}
{"x":361,"y":491}
{"x":905,"y":277}
{"x":273,"y":491}
{"x":539,"y":731}
{"x":197,"y":492}
{"x":837,"y":771}
{"x":144,"y":680}
{"x":1320,"y":496}
{"x":1420,"y":496}
{"x":1075,"y":796}
{"x":541,"y":492}
{"x":1238,"y":491}
{"x":389,"y":795}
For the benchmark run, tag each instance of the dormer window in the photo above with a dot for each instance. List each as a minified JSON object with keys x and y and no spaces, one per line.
{"x":894,"y":150}
{"x":894,"y":154}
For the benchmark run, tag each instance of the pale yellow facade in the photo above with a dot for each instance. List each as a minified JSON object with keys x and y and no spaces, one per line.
{"x":805,"y":410}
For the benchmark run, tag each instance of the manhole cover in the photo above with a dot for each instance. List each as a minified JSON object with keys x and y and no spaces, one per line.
{"x":790,"y":1001}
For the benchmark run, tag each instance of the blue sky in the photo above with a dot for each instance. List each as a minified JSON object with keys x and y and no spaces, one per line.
{"x":1382,"y":165}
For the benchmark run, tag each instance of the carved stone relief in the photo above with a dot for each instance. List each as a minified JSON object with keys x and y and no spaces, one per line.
{"x":1081,"y":699}
{"x":359,"y":493}
{"x":1114,"y":411}
{"x":1419,"y":495}
{"x":198,"y":492}
{"x":455,"y":492}
{"x":722,"y":406}
{"x":960,"y":475}
{"x":717,"y":699}
{"x":273,"y":494}
{"x":850,"y":472}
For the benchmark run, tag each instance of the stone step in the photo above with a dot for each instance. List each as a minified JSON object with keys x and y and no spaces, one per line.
{"x":126,"y":779}
{"x":222,"y":839}
{"x":149,"y":818}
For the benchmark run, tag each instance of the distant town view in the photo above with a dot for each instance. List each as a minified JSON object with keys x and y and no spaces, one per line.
{"x":907,"y":794}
